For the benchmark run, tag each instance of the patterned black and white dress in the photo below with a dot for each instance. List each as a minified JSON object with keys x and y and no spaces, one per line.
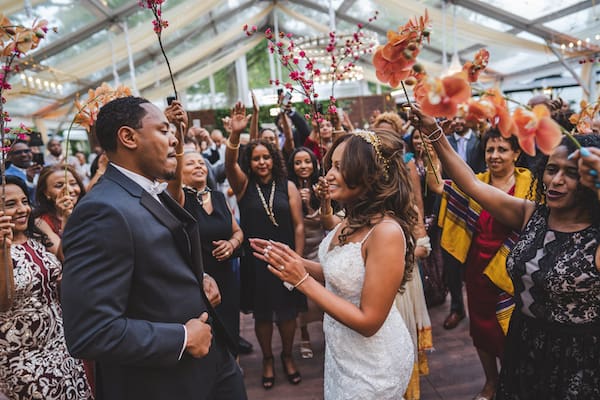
{"x":553,"y":344}
{"x":34,"y":361}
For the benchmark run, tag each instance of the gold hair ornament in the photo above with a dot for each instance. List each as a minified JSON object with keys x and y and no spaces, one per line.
{"x":375,"y":141}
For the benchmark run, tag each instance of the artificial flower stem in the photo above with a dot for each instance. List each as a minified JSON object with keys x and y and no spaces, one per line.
{"x":6,"y":256}
{"x":428,"y":156}
{"x":168,"y":65}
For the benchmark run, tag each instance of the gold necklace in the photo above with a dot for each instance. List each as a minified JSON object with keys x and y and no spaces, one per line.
{"x":508,"y":184}
{"x":268,"y":208}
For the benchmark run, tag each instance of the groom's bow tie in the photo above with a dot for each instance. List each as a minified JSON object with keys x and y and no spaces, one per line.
{"x":157,"y":188}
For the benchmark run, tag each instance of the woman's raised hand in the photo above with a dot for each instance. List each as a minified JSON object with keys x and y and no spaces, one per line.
{"x":6,"y":228}
{"x":426,"y":124}
{"x":282,"y":261}
{"x":239,"y":119}
{"x":64,"y":203}
{"x":588,"y":160}
{"x":321,"y":189}
{"x":176,"y":115}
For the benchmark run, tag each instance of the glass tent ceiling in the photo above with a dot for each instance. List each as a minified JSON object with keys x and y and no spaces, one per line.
{"x":530,"y":42}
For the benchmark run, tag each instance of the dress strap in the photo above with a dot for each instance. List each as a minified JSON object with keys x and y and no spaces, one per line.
{"x":367,"y":235}
{"x":385,"y":220}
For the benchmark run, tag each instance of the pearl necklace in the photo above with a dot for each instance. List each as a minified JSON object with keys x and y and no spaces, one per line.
{"x":269,"y":208}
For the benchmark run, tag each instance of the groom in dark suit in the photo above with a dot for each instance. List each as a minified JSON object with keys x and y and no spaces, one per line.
{"x":132,"y":288}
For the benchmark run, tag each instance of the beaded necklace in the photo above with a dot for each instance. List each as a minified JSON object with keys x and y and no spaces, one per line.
{"x":268,"y":208}
{"x":200,"y":193}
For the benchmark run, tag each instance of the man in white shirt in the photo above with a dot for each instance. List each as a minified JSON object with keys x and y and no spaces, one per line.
{"x":55,"y":155}
{"x":132,"y":288}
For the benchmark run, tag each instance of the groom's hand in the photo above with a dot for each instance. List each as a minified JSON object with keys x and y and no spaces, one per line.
{"x":199,"y":336}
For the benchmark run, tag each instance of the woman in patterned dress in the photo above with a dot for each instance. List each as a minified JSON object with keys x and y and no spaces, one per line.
{"x":552,"y":349}
{"x":34,"y":361}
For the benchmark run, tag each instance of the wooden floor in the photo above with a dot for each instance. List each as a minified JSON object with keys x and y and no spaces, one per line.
{"x":455,"y":372}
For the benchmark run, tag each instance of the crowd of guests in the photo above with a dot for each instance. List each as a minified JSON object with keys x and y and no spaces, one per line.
{"x":449,"y":201}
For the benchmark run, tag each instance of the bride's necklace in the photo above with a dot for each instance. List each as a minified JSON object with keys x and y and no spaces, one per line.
{"x":268,"y":208}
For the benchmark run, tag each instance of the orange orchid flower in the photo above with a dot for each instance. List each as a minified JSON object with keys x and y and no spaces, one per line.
{"x":6,"y":29}
{"x":480,"y":110}
{"x":88,"y":112}
{"x":24,"y":40}
{"x":501,"y":118}
{"x":584,"y":120}
{"x":536,"y":127}
{"x":441,"y":97}
{"x":391,"y":72}
{"x":475,"y":67}
{"x":394,"y":60}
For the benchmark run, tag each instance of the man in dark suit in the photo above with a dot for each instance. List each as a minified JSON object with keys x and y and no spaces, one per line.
{"x":467,"y":144}
{"x":132,"y":288}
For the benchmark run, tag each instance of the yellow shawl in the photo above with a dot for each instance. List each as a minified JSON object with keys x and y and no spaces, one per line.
{"x":458,"y":217}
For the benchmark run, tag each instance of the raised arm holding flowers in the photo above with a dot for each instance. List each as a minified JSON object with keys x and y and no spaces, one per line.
{"x":159,"y":23}
{"x":304,"y":71}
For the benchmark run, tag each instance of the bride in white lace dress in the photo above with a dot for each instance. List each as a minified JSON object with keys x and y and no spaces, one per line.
{"x":369,"y":352}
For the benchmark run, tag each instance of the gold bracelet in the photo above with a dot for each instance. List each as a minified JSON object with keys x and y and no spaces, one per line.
{"x":328,"y":214}
{"x":236,"y":239}
{"x":301,"y":281}
{"x":231,"y":145}
{"x":179,"y":154}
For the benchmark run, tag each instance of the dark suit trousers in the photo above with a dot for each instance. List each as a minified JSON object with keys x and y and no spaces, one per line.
{"x":229,"y":384}
{"x":224,"y":381}
{"x":453,"y":271}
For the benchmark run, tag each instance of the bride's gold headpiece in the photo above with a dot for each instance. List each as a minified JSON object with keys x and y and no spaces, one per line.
{"x":374,"y":140}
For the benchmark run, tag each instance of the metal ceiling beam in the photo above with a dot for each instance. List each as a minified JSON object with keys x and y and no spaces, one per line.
{"x":561,"y":59}
{"x":354,"y":21}
{"x":541,"y":20}
{"x":148,"y":56}
{"x":552,"y":68}
{"x":564,"y":12}
{"x":57,"y":46}
{"x":97,"y":8}
{"x":345,"y":6}
{"x":521,"y":23}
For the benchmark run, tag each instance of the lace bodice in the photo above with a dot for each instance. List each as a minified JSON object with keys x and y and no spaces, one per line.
{"x":359,"y":367}
{"x":554,"y":273}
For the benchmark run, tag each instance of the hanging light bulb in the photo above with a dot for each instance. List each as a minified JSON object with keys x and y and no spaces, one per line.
{"x":455,"y":65}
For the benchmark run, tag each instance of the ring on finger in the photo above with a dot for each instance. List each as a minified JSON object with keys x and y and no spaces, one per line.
{"x":281,"y":268}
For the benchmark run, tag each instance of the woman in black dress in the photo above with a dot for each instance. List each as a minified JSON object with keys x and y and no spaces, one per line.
{"x":270,"y":208}
{"x":552,"y":349}
{"x":220,"y":235}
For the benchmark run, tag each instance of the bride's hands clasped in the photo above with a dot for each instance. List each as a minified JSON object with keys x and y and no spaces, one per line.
{"x":282,"y":261}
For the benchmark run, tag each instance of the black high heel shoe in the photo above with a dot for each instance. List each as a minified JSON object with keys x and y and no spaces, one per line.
{"x":268,"y":381}
{"x":293,"y":378}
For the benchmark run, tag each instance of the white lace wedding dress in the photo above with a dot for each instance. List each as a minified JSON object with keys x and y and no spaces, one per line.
{"x":358,"y":367}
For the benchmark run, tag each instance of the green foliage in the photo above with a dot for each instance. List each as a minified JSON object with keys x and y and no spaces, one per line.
{"x":257,"y":61}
